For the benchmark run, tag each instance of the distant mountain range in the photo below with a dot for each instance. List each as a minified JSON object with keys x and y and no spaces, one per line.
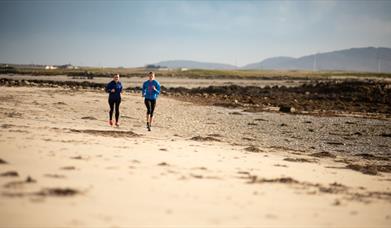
{"x":368,"y":59}
{"x":356,"y":59}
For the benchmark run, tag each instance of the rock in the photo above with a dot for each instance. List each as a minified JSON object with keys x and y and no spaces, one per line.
{"x":30,"y":180}
{"x":298,"y":160}
{"x":235,"y":113}
{"x":253,"y":149}
{"x":88,"y":118}
{"x":60,"y":192}
{"x":385,"y":134}
{"x":9,"y":174}
{"x":323,"y":154}
{"x":365,"y":169}
{"x":163,"y":164}
{"x":208,"y":138}
{"x":285,"y":108}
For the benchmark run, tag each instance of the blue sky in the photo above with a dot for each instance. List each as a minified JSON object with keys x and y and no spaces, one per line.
{"x":135,"y":33}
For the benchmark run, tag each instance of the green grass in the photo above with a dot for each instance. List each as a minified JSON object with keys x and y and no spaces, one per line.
{"x":197,"y":73}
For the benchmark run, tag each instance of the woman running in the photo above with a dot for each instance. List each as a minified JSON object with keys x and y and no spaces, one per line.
{"x":151,"y":90}
{"x":114,"y":88}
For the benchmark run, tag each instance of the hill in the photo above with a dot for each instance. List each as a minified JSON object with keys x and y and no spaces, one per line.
{"x":367,"y":59}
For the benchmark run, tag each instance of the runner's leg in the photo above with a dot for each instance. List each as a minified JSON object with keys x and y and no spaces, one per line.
{"x":153,"y":104}
{"x":111,"y":104}
{"x":148,"y":105}
{"x":117,"y":103}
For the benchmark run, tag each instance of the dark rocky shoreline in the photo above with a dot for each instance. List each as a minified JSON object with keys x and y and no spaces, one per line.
{"x":346,"y":96}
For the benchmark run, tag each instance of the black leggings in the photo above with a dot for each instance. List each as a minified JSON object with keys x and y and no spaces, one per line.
{"x":115,"y":103}
{"x":150,"y":104}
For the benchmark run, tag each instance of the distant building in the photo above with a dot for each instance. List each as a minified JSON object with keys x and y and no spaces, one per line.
{"x":50,"y":67}
{"x":163,"y":69}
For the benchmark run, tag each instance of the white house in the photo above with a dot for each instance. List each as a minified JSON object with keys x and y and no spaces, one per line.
{"x":50,"y":67}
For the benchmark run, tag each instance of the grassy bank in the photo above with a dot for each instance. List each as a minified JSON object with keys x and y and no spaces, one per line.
{"x":194,"y":73}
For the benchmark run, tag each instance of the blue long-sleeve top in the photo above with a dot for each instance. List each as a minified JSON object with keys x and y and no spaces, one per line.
{"x":118,"y":89}
{"x":148,"y":91}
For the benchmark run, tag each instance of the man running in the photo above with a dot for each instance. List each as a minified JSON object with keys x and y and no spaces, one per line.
{"x":151,"y":90}
{"x":114,"y":88}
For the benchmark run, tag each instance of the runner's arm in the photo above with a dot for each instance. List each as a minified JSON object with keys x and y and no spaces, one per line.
{"x":144,"y":90}
{"x":157,"y":88}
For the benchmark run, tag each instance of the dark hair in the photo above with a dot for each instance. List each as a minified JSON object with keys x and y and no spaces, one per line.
{"x":150,"y":72}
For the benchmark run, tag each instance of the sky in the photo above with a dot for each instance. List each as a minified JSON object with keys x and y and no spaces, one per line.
{"x":136,"y":33}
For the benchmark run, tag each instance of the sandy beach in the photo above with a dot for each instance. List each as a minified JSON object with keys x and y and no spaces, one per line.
{"x":269,"y":114}
{"x":200,"y":166}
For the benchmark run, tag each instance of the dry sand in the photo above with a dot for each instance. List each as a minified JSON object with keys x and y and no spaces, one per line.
{"x":62,"y":165}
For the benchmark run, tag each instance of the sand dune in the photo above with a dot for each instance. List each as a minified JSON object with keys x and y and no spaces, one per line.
{"x":62,"y":165}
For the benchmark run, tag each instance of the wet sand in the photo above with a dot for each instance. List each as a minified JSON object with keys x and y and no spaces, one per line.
{"x":62,"y":165}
